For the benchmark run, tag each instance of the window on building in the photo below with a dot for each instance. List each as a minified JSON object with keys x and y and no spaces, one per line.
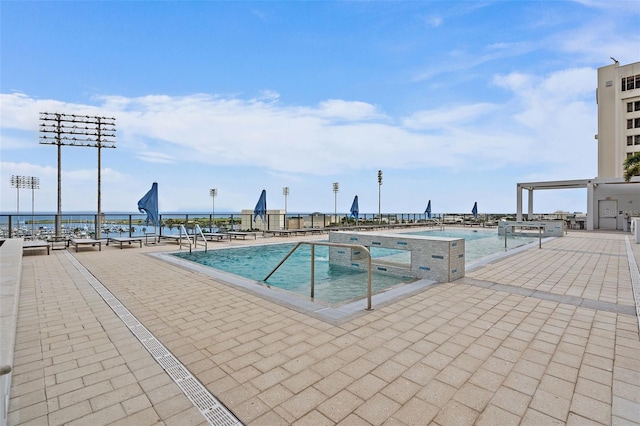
{"x":631,"y":82}
{"x":629,"y":106}
{"x":636,"y":105}
{"x":636,"y":140}
{"x":630,"y":123}
{"x":629,"y":140}
{"x":636,"y":123}
{"x":629,"y":154}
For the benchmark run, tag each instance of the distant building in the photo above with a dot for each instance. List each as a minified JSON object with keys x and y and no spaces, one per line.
{"x":618,"y":99}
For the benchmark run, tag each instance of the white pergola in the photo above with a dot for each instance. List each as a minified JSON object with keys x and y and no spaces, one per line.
{"x":613,"y":186}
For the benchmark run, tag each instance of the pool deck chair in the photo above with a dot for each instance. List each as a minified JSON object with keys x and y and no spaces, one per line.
{"x":217,"y":236}
{"x":129,"y":240}
{"x":34,"y":245}
{"x":243,"y":235}
{"x":302,"y":231}
{"x":76,"y":242}
{"x":176,"y":238}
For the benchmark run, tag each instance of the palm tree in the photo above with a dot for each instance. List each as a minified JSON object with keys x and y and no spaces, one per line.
{"x":632,"y":166}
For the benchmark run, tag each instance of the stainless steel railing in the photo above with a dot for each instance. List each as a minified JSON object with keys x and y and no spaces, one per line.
{"x":313,"y":244}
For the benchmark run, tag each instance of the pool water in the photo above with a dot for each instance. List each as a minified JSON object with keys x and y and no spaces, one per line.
{"x":334,"y":284}
{"x":478,"y":243}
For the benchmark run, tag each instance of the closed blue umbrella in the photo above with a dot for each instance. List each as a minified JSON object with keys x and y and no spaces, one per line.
{"x":474,"y":210}
{"x":428,"y":210}
{"x":149,"y":205}
{"x":261,"y":207}
{"x":354,"y":208}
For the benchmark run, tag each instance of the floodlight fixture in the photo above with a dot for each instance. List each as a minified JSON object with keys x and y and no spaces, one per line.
{"x":77,"y":130}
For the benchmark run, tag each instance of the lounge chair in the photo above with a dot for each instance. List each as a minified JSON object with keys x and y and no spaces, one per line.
{"x":129,"y":240}
{"x":31,"y":245}
{"x":85,"y":242}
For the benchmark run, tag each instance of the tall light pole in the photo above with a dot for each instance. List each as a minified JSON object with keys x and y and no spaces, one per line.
{"x":18,"y":182}
{"x":33,"y":183}
{"x":213,"y":192}
{"x":285,"y":192}
{"x":77,"y":130}
{"x":336,"y":188}
{"x":379,"y":193}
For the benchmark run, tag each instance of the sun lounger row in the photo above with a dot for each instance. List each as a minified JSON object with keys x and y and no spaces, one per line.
{"x":289,"y":232}
{"x":215,"y":236}
{"x":229,"y":235}
{"x":78,"y":242}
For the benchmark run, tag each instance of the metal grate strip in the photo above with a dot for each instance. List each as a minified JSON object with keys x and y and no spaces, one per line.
{"x":168,"y":362}
{"x":212,"y":410}
{"x":178,"y":372}
{"x":130,"y":320}
{"x":141,"y":333}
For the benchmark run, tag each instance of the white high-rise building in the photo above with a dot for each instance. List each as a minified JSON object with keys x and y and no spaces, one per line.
{"x":618,"y":98}
{"x":611,"y":202}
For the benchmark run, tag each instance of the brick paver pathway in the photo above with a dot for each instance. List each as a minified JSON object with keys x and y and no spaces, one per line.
{"x":547,"y":336}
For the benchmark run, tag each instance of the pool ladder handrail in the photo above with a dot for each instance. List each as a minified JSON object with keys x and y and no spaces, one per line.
{"x":197,"y":230}
{"x":313,"y":245}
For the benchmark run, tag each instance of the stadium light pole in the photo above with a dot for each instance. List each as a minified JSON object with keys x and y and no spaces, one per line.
{"x":213,"y":192}
{"x":285,"y":192}
{"x":379,"y":193}
{"x":33,"y":183}
{"x":77,"y":130}
{"x":18,"y":182}
{"x":336,"y":188}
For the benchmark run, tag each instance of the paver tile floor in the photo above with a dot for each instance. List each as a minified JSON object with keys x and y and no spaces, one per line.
{"x":545,"y":336}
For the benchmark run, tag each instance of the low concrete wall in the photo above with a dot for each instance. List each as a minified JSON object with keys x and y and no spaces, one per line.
{"x":435,"y":258}
{"x":11,"y":266}
{"x":550,"y":228}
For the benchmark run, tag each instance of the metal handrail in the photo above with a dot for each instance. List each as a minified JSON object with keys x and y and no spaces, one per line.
{"x":525,"y":225}
{"x":182,"y":228}
{"x":198,"y":231}
{"x":313,"y":245}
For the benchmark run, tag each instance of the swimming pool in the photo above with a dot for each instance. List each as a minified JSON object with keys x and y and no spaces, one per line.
{"x":480,"y":243}
{"x":334,"y":284}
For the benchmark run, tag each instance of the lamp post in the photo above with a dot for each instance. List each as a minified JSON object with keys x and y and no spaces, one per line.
{"x":213,"y":192}
{"x":379,"y":193}
{"x":285,"y":192}
{"x":336,"y":188}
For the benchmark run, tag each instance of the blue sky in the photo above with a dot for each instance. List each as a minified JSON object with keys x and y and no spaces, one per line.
{"x":455,"y":102}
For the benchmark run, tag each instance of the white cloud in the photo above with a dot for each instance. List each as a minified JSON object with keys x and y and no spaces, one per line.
{"x":433,"y":21}
{"x":336,"y":134}
{"x":545,"y":123}
{"x":346,"y":110}
{"x":155,"y":157}
{"x":448,"y":116}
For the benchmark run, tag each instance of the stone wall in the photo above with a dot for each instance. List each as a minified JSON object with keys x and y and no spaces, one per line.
{"x":435,"y":258}
{"x":550,"y":228}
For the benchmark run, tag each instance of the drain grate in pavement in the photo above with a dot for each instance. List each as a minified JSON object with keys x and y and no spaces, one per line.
{"x":212,"y":409}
